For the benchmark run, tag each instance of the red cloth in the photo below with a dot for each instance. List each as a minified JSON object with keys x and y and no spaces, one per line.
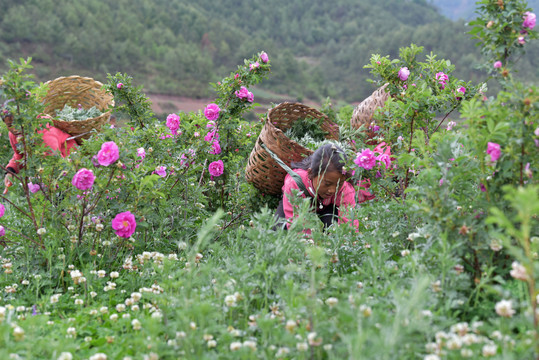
{"x":53,"y":137}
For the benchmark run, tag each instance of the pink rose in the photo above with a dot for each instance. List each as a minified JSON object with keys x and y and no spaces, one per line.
{"x":2,"y":210}
{"x":108,"y":154}
{"x":216,"y":168}
{"x":141,"y":152}
{"x":521,"y":40}
{"x":494,"y":151}
{"x":385,"y":160}
{"x":242,"y":93}
{"x":83,"y":179}
{"x":264,"y":57}
{"x":33,"y":187}
{"x":497,"y":64}
{"x":442,"y":78}
{"x":161,"y":171}
{"x":124,"y":224}
{"x":254,"y":66}
{"x":212,"y":112}
{"x":215,"y":148}
{"x":250,"y":97}
{"x":120,"y":85}
{"x":365,"y":159}
{"x":460,"y":92}
{"x":211,"y":136}
{"x":173,"y":123}
{"x":404,"y":73}
{"x":2,"y":231}
{"x":529,"y":20}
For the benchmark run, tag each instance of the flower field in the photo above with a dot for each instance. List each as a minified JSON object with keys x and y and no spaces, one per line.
{"x":147,"y":242}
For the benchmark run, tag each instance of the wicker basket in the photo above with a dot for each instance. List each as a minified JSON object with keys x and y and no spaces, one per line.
{"x":262,"y":171}
{"x":75,"y":90}
{"x":364,"y":112}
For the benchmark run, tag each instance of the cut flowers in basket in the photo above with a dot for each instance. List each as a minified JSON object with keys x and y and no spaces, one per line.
{"x":79,"y":113}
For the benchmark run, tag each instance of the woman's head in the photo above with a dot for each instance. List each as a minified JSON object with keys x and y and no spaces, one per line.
{"x":325,"y":169}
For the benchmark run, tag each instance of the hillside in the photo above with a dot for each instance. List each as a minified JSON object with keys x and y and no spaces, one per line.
{"x":317,"y":48}
{"x":465,"y":9}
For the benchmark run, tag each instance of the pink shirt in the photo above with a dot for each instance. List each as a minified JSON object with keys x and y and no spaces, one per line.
{"x":345,"y":198}
{"x":53,"y":137}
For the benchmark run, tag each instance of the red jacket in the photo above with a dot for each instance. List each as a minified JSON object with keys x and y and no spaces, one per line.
{"x":53,"y":137}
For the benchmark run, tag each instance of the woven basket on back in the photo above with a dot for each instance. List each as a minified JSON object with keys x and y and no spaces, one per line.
{"x":262,"y":171}
{"x":364,"y":112}
{"x":75,"y":90}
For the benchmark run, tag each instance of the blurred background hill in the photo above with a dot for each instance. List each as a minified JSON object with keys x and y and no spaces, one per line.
{"x":177,"y":47}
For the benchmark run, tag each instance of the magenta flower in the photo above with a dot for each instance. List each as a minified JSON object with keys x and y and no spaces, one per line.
{"x":124,"y":224}
{"x":365,"y":159}
{"x":119,"y":86}
{"x":250,"y":97}
{"x":173,"y":123}
{"x":242,"y":93}
{"x":216,"y":168}
{"x":2,"y":210}
{"x":442,"y":79}
{"x":212,"y":112}
{"x":497,"y":64}
{"x":2,"y":231}
{"x":529,"y":20}
{"x":494,"y":151}
{"x":108,"y":154}
{"x":460,"y":92}
{"x":450,"y":125}
{"x":254,"y":66}
{"x":211,"y":136}
{"x":482,"y":187}
{"x":264,"y":57}
{"x":141,"y":152}
{"x":521,"y":40}
{"x":83,"y":179}
{"x":404,"y":73}
{"x":215,"y":148}
{"x":161,"y":171}
{"x":33,"y":187}
{"x":385,"y":160}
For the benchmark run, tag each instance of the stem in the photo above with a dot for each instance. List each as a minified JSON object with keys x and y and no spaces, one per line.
{"x":445,"y":117}
{"x":15,"y":206}
{"x":26,"y":237}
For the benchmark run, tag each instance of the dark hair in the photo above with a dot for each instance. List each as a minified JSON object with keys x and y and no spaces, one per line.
{"x":327,"y":158}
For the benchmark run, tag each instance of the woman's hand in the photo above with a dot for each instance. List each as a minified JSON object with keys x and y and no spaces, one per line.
{"x":8,"y":182}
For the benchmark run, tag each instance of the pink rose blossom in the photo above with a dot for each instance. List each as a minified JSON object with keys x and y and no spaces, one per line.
{"x":385,"y":160}
{"x":236,"y":76}
{"x":404,"y":73}
{"x":529,"y":20}
{"x":124,"y":224}
{"x":108,"y":154}
{"x":2,"y":210}
{"x":161,"y":171}
{"x":254,"y":66}
{"x":212,"y":112}
{"x":211,"y":136}
{"x":497,"y":64}
{"x":2,"y":231}
{"x":250,"y":97}
{"x":442,"y":79}
{"x":83,"y":179}
{"x":120,"y":85}
{"x":264,"y":57}
{"x":216,"y":168}
{"x":173,"y":123}
{"x":494,"y":151}
{"x":365,"y":159}
{"x":33,"y":187}
{"x":141,"y":152}
{"x":216,"y":148}
{"x":450,"y":125}
{"x":521,"y":40}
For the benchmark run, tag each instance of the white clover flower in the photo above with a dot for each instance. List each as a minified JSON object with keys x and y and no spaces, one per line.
{"x":98,"y":356}
{"x":504,"y":308}
{"x":55,"y":298}
{"x":250,"y":344}
{"x":114,"y":317}
{"x":431,"y":357}
{"x":126,"y":316}
{"x":230,"y":300}
{"x":136,"y":296}
{"x":18,"y":333}
{"x":135,"y":308}
{"x":234,"y":346}
{"x":136,"y":324}
{"x":332,"y":301}
{"x":282,"y":352}
{"x":405,"y":252}
{"x":114,"y":274}
{"x":436,"y":286}
{"x":79,"y":301}
{"x":519,"y":272}
{"x":65,"y":356}
{"x":489,"y":350}
{"x":365,"y":310}
{"x":99,"y":227}
{"x":71,"y":331}
{"x":290,"y":325}
{"x":101,"y":273}
{"x":212,"y":344}
{"x":87,"y":338}
{"x":182,"y":245}
{"x":302,"y":346}
{"x":120,"y":307}
{"x":20,"y":309}
{"x":103,"y":309}
{"x":25,"y":282}
{"x":466,"y":353}
{"x":180,"y":334}
{"x":41,"y":231}
{"x":495,"y":245}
